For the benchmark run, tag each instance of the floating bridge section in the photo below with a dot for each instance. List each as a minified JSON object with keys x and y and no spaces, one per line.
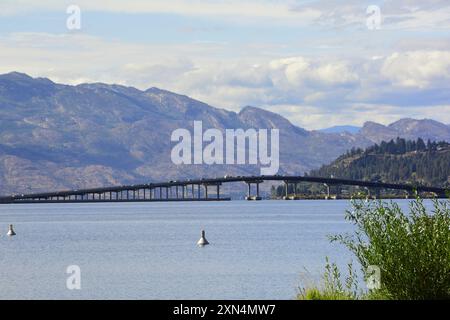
{"x":199,"y":190}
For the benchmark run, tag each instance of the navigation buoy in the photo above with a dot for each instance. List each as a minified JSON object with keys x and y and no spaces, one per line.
{"x":202,"y":242}
{"x":11,"y":231}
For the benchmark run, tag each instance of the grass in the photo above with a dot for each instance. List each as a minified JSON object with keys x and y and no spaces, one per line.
{"x":333,"y":288}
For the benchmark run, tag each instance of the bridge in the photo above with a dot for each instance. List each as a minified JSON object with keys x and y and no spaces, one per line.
{"x":200,"y":190}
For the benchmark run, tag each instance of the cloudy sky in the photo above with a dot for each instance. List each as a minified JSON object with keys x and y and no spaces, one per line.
{"x":315,"y":62}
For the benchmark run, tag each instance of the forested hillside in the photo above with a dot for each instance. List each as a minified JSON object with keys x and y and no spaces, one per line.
{"x":396,"y":161}
{"x":399,"y":161}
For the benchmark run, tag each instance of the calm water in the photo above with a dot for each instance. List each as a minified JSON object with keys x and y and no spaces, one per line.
{"x":259,"y":250}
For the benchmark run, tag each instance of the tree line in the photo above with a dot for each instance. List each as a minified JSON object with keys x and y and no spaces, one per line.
{"x":394,"y":161}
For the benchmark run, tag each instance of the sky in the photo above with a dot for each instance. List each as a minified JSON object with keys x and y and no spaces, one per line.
{"x":319,"y":63}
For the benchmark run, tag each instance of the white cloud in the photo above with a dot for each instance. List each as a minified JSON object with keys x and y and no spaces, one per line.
{"x":299,"y":71}
{"x":246,"y":8}
{"x":395,"y":14}
{"x":421,"y":69}
{"x":335,"y":74}
{"x":312,"y":117}
{"x":311,"y":92}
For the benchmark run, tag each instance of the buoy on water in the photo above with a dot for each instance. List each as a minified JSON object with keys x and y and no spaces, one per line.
{"x":202,"y":242}
{"x":11,"y":231}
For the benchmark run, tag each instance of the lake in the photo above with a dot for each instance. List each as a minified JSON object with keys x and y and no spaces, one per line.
{"x":259,"y":250}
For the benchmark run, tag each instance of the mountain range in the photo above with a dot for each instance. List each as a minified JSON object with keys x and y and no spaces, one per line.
{"x":340,"y":129}
{"x":56,"y":137}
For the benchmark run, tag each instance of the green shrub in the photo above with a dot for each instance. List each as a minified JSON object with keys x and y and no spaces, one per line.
{"x":412,"y":251}
{"x":333,"y":288}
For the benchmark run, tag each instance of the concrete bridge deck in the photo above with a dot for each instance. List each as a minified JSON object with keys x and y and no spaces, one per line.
{"x":197,"y":190}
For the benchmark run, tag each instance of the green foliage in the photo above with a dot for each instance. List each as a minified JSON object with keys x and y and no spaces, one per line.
{"x":412,"y":251}
{"x":333,"y":287}
{"x":317,"y":294}
{"x":397,"y":161}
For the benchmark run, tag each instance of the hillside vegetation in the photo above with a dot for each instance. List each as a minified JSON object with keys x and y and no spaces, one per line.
{"x":396,"y":161}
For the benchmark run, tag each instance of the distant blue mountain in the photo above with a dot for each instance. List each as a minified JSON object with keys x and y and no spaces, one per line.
{"x":341,"y":129}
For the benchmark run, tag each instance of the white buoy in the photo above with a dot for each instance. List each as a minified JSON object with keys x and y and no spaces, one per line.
{"x":11,"y":231}
{"x":202,"y":242}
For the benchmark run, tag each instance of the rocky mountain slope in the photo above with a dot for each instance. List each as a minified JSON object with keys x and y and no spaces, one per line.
{"x":55,"y":136}
{"x":409,"y":129}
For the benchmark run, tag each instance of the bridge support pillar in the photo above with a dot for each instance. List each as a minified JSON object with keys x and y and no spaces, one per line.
{"x":293,"y":195}
{"x":257,"y":190}
{"x":249,"y":193}
{"x":378,"y":193}
{"x":338,"y":192}
{"x":368,"y":193}
{"x":328,"y":195}
{"x":286,"y":190}
{"x":411,"y":194}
